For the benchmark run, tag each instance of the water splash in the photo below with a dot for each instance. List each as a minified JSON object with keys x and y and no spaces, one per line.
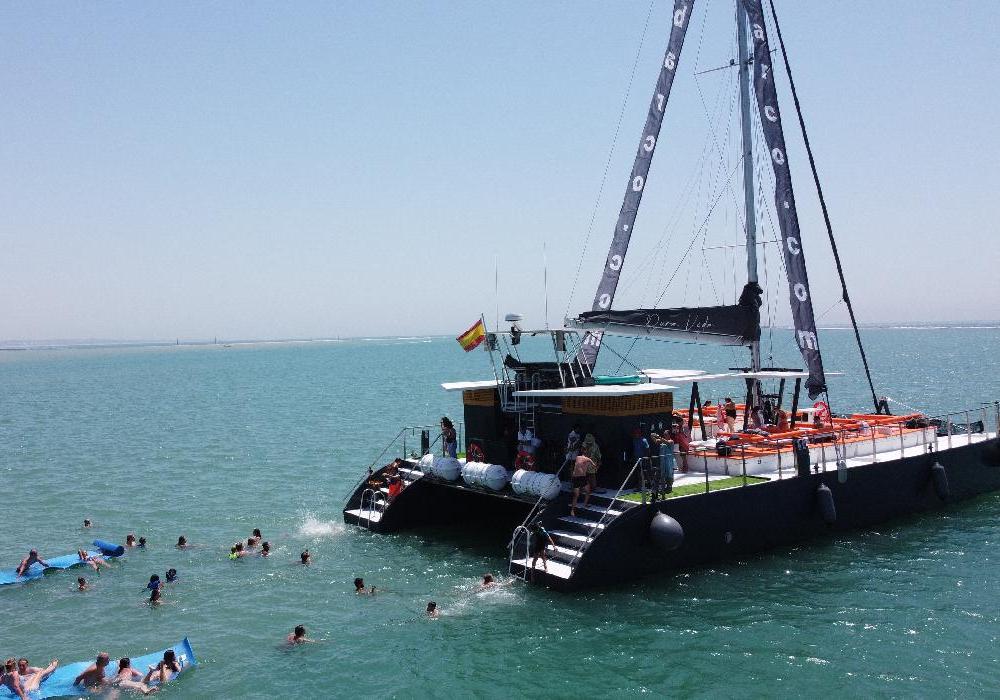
{"x":317,"y":529}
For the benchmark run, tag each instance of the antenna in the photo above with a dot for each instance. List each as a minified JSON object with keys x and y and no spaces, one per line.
{"x":545,"y":283}
{"x":496,"y":286}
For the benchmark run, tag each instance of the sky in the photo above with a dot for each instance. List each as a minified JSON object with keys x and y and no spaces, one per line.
{"x":279,"y":170}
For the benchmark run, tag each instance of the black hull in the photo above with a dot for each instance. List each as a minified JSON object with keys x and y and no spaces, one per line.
{"x":729,"y":523}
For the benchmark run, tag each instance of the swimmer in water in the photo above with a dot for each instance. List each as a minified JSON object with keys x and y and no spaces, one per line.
{"x":256,"y":534}
{"x":81,"y":584}
{"x":488,"y":582}
{"x":155,"y":597}
{"x":432,"y":610}
{"x":305,"y":558}
{"x":265,"y":549}
{"x":11,"y":679}
{"x":298,"y":636}
{"x":142,"y":543}
{"x":359,"y":587}
{"x":93,"y":562}
{"x":164,"y":671}
{"x":240,"y":552}
{"x":233,"y":554}
{"x":171,"y":575}
{"x":251,"y":543}
{"x":182,"y":542}
{"x":130,"y":540}
{"x":32,"y":676}
{"x":129,"y":678}
{"x":154,"y":583}
{"x":30,"y":560}
{"x":87,"y":523}
{"x":93,"y":675}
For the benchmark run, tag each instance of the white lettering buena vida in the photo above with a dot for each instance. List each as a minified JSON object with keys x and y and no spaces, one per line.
{"x":793,"y":245}
{"x":807,"y":340}
{"x":800,"y":292}
{"x":615,"y":262}
{"x":680,"y":15}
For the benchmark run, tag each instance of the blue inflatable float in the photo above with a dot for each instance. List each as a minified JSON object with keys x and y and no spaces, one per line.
{"x":66,"y":561}
{"x":60,"y":683}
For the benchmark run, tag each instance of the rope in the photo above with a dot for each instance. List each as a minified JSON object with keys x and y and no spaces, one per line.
{"x":607,"y":165}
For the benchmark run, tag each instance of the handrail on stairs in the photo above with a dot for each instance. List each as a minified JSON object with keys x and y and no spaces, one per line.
{"x":590,"y":538}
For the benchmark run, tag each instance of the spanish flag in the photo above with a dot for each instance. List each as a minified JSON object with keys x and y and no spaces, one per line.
{"x":471,"y":339}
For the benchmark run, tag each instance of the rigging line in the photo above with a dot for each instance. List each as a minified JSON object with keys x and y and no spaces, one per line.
{"x":822,"y":203}
{"x":695,"y":237}
{"x":829,"y":309}
{"x":611,"y":153}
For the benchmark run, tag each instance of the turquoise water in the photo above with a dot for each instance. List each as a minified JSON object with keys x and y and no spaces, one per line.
{"x":211,"y":442}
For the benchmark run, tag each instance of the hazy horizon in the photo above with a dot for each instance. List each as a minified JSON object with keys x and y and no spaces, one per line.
{"x":262,"y":172}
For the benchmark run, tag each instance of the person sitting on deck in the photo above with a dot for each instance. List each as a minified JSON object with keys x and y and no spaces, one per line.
{"x":449,"y":437}
{"x":781,"y":422}
{"x":395,"y":487}
{"x":28,"y":561}
{"x":581,"y":465}
{"x":730,"y":409}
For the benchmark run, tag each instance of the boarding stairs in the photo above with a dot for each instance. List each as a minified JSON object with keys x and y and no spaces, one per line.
{"x":375,"y":501}
{"x":572,"y":534}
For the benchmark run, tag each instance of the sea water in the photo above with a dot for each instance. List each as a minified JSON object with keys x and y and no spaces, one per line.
{"x":210,"y":442}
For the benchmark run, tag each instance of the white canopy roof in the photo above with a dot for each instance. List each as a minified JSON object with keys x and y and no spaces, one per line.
{"x":465,"y":386}
{"x":600,"y":390}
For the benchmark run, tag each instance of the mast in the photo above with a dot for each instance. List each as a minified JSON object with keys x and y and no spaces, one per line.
{"x":748,"y":186}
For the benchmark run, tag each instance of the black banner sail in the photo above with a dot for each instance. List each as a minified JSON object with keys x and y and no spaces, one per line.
{"x":738,"y":324}
{"x":637,"y":181}
{"x":784,"y":200}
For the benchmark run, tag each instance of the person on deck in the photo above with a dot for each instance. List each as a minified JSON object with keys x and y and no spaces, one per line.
{"x":666,"y":451}
{"x":449,"y":438}
{"x":581,"y":467}
{"x":28,"y":561}
{"x":590,"y":449}
{"x":730,"y":408}
{"x":395,"y":487}
{"x":682,"y":438}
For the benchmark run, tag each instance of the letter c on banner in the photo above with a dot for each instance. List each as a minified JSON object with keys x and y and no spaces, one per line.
{"x":800,"y":291}
{"x":793,"y":245}
{"x":649,"y":143}
{"x":615,"y":263}
{"x":771,"y":113}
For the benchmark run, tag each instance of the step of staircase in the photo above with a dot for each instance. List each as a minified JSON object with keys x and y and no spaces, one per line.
{"x":553,"y":568}
{"x":372,"y":516}
{"x":573,"y":539}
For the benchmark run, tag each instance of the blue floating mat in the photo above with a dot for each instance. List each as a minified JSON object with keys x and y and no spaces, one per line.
{"x":66,"y":561}
{"x":60,"y":683}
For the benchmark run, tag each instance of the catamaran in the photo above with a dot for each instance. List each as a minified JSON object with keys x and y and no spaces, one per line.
{"x":775,"y":468}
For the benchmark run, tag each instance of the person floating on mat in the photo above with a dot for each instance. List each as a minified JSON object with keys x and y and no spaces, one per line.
{"x":130,"y":678}
{"x":28,"y":561}
{"x":93,"y":562}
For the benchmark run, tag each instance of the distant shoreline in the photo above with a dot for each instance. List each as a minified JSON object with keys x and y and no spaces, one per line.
{"x":59,"y":344}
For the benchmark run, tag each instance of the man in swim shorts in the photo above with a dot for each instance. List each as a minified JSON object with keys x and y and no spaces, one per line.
{"x":28,"y":561}
{"x":93,"y":675}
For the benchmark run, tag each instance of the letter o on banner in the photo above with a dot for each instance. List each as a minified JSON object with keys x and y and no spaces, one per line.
{"x":605,"y":301}
{"x":800,"y":291}
{"x":637,"y":183}
{"x":778,"y":156}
